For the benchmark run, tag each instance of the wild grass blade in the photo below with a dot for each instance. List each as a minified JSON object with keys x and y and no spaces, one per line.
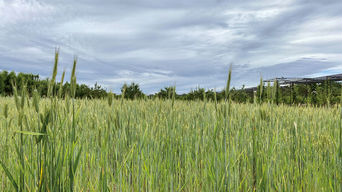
{"x":9,"y":175}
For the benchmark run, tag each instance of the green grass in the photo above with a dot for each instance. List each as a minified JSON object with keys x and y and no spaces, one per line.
{"x":151,"y":146}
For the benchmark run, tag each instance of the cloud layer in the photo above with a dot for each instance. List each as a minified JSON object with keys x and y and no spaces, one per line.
{"x":162,"y":43}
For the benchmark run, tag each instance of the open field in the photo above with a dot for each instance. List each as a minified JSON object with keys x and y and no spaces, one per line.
{"x":171,"y":96}
{"x":156,"y":145}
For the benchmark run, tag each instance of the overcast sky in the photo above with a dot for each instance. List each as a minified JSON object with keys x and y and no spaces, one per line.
{"x":159,"y":43}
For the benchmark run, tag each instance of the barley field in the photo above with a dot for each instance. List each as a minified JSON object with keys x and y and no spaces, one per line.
{"x":163,"y":145}
{"x":68,"y":144}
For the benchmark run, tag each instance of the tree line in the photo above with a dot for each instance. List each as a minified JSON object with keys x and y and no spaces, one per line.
{"x":32,"y":82}
{"x":325,"y":93}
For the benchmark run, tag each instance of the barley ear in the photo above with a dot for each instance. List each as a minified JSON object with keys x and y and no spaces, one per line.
{"x":54,"y":74}
{"x":36,"y":100}
{"x":73,"y":79}
{"x":60,"y":91}
{"x":110,"y":98}
{"x":228,"y":83}
{"x":261,"y":89}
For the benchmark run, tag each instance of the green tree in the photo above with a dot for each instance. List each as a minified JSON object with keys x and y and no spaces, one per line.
{"x":165,"y":93}
{"x":239,"y":96}
{"x":2,"y":84}
{"x":132,"y":91}
{"x":10,"y":78}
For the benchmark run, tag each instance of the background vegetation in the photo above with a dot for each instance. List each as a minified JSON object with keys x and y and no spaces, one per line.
{"x":313,"y":94}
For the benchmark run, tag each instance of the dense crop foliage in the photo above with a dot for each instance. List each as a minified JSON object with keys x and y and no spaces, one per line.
{"x":152,"y":146}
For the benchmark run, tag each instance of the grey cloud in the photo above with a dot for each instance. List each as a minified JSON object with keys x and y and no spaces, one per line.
{"x":161,"y":43}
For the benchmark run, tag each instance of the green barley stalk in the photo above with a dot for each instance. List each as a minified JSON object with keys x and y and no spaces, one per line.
{"x":73,"y":79}
{"x":73,"y":160}
{"x":60,"y":91}
{"x":269,"y":96}
{"x":73,"y":94}
{"x":20,"y":103}
{"x":36,"y":99}
{"x":254,"y":158}
{"x":227,"y":90}
{"x":21,"y":142}
{"x":5,"y":113}
{"x":67,"y":102}
{"x":54,"y":74}
{"x":276,"y":91}
{"x":261,"y":89}
{"x":173,"y":95}
{"x":226,"y":127}
{"x":215,"y":100}
{"x":110,"y":98}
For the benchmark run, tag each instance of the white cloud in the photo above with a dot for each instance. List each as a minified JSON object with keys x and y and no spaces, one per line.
{"x":21,"y":11}
{"x":161,"y":43}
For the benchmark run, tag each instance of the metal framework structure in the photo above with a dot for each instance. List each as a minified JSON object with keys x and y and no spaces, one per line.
{"x":291,"y":81}
{"x":284,"y":81}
